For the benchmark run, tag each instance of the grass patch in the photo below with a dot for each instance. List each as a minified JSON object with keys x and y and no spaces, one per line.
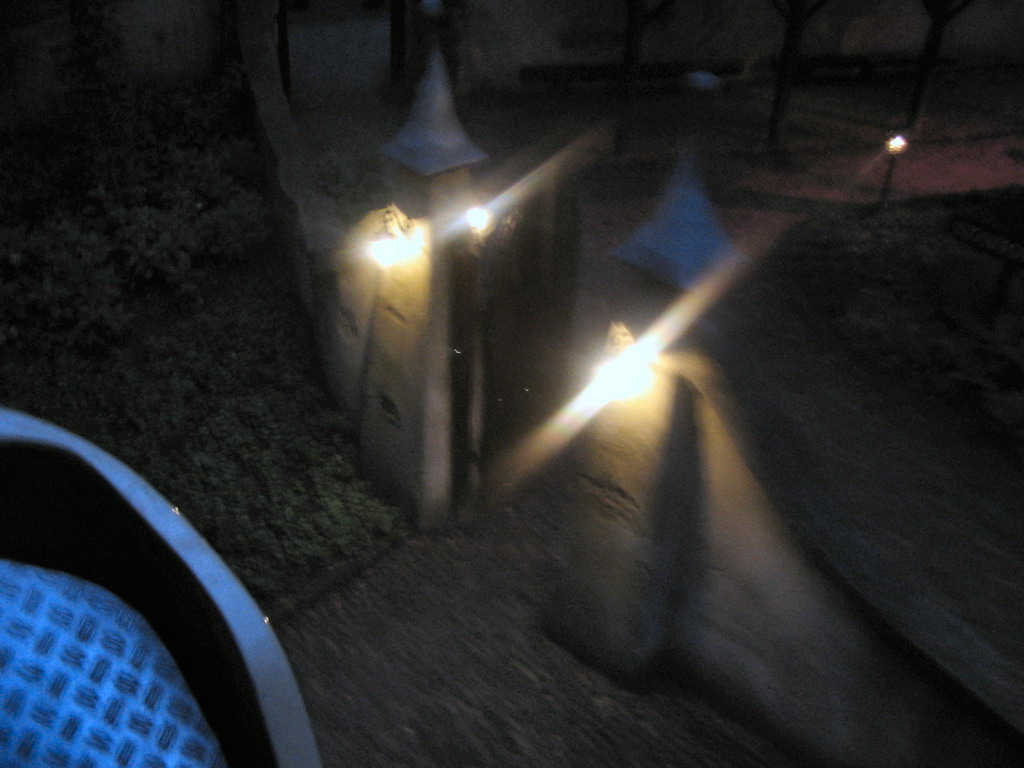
{"x":146,"y":308}
{"x":215,"y":400}
{"x":913,"y":302}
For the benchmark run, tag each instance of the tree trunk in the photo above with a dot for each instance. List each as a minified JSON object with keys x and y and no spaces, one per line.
{"x":787,"y":67}
{"x":630,"y":61}
{"x":940,"y":15}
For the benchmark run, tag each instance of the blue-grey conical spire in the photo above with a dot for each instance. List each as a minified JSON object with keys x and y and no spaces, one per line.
{"x":432,"y":140}
{"x":683,"y":239}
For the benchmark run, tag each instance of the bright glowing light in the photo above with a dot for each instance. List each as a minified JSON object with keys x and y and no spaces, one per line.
{"x":553,"y":436}
{"x":478,"y":218}
{"x":625,"y":376}
{"x":894,"y":145}
{"x":388,"y":251}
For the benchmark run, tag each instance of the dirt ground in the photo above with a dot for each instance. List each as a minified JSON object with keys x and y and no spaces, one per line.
{"x":435,"y":658}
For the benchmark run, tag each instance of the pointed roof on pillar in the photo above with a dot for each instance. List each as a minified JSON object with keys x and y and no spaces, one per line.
{"x":433,"y":140}
{"x":683,"y":238}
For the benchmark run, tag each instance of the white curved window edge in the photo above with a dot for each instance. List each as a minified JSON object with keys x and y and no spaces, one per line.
{"x":279,"y":696}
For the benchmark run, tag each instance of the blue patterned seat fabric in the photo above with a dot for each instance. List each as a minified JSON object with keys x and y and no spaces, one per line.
{"x":86,"y":683}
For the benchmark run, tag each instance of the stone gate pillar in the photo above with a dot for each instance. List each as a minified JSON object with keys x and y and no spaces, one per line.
{"x":419,"y":438}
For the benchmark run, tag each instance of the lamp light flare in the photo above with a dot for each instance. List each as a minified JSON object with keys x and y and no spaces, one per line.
{"x":478,"y":218}
{"x":896,"y":144}
{"x":388,"y":251}
{"x":625,"y":376}
{"x":537,"y":449}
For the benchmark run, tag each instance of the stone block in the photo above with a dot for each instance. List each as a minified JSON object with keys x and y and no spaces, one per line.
{"x":604,"y":604}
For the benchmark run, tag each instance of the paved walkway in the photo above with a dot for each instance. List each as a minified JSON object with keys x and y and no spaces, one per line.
{"x":433,"y":657}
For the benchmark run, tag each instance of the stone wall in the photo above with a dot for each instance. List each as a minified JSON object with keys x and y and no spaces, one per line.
{"x":378,"y":330}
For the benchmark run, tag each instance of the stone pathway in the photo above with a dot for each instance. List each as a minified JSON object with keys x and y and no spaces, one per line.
{"x":434,"y":657}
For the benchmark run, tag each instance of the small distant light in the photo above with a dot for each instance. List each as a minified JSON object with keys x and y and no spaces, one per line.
{"x":478,"y":218}
{"x":896,"y":144}
{"x":266,"y":619}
